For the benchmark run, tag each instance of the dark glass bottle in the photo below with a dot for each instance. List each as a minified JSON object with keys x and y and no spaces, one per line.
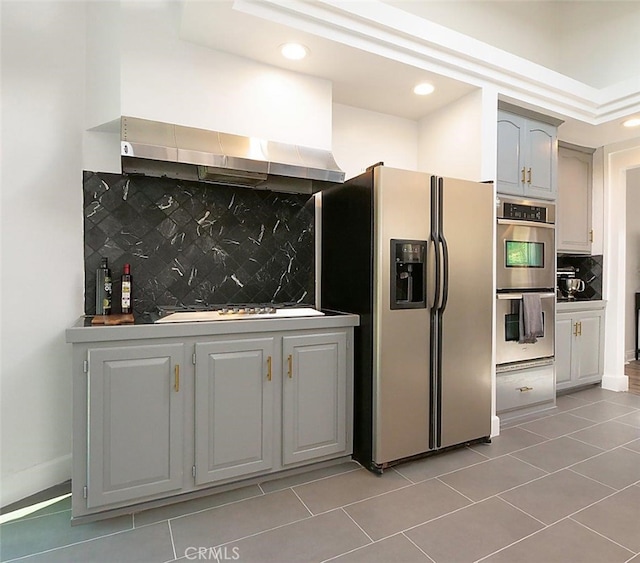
{"x":103,"y":289}
{"x":126,"y":289}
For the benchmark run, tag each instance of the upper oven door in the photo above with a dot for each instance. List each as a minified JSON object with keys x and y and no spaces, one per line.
{"x":525,"y":255}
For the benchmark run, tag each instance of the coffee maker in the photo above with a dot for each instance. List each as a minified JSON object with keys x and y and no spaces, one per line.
{"x":567,"y":284}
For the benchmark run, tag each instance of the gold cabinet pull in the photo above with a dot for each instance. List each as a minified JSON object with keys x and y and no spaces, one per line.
{"x":525,"y":389}
{"x":529,"y":172}
{"x":591,"y":235}
{"x":290,"y":371}
{"x":580,"y":328}
{"x":575,"y":329}
{"x":176,"y":378}
{"x":523,"y":180}
{"x":268,"y":368}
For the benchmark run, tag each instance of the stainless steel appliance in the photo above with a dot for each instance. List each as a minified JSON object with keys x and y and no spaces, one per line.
{"x":509,"y":345}
{"x":525,"y":250}
{"x":525,"y":264}
{"x":411,"y":253}
{"x":568,"y":284}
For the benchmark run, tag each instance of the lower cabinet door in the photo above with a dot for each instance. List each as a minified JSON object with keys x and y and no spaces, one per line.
{"x":564,"y":349}
{"x":590,"y":353}
{"x":135,"y":413}
{"x":234,"y":405}
{"x":314,"y":396}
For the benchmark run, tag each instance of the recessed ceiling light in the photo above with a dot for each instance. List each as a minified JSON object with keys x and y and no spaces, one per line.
{"x":294,"y":51}
{"x":423,"y":89}
{"x":633,"y":122}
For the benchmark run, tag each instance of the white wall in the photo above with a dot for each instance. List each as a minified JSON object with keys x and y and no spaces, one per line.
{"x":42,"y":270}
{"x":451,"y":139}
{"x":632,"y":267}
{"x":599,"y":50}
{"x":362,"y":138}
{"x":166,"y":79}
{"x":618,"y":159}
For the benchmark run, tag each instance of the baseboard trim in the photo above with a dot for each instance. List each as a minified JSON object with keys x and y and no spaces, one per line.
{"x":22,"y":484}
{"x":615,"y":382}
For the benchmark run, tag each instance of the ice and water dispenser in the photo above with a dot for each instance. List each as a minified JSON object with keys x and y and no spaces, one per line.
{"x":408,"y":274}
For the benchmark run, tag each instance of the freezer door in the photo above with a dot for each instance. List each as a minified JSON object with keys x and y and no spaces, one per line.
{"x":401,"y":336}
{"x":465,"y":383}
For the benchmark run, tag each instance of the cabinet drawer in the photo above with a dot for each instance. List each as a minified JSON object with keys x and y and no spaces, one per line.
{"x":524,"y":388}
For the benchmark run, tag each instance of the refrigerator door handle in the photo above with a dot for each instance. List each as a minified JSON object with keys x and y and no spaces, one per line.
{"x":445,"y":249}
{"x":436,"y":240}
{"x":432,"y":296}
{"x":445,"y":274}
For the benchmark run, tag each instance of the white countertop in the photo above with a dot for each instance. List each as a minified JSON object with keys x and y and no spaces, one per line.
{"x":568,"y":306}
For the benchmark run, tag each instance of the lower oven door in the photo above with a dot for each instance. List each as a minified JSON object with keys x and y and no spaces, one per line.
{"x":508,"y":347}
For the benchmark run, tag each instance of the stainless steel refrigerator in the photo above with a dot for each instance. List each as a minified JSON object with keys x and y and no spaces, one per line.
{"x":412,"y":254}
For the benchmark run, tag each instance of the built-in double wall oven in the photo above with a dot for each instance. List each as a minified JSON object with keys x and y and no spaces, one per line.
{"x":526,"y":263}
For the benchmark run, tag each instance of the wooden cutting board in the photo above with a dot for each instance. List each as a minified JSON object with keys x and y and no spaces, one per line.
{"x":118,"y":319}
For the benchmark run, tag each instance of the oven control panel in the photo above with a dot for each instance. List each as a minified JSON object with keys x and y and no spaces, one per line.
{"x":525,"y":212}
{"x":516,"y":209}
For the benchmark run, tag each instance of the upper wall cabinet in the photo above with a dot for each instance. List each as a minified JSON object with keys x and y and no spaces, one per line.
{"x":573,"y":218}
{"x":527,"y":156}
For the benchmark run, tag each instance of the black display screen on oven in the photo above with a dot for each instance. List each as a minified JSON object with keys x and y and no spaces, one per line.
{"x":525,"y":212}
{"x":524,"y":254}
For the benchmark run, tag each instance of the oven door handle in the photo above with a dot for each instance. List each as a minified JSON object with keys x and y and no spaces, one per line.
{"x":513,"y":295}
{"x":523,"y":223}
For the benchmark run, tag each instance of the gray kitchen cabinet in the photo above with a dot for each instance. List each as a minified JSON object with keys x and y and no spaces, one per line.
{"x":573,"y":218}
{"x":164,"y":411}
{"x":135,"y":413}
{"x":314,"y":396}
{"x":527,"y":157}
{"x":579,"y":347}
{"x":234,"y":408}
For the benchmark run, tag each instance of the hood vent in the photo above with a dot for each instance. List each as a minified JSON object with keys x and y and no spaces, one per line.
{"x":152,"y":148}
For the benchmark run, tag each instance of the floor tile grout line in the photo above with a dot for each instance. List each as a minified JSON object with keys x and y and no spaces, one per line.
{"x":173,"y":543}
{"x":119,"y":532}
{"x":544,"y":524}
{"x":316,"y":480}
{"x":371,"y":540}
{"x":513,"y":543}
{"x":418,"y":547}
{"x":602,"y":535}
{"x":400,"y":474}
{"x":259,"y":495}
{"x":301,"y":501}
{"x":456,"y":490}
{"x":605,"y":449}
{"x":236,"y":540}
{"x":378,"y":495}
{"x":596,"y":481}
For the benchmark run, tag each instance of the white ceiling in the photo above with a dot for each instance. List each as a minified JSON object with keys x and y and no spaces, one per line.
{"x":383,"y":84}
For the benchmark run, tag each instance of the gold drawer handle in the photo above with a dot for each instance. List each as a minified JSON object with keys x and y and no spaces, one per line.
{"x":523,"y":180}
{"x":268,"y":368}
{"x":529,"y":180}
{"x":176,"y":378}
{"x":524,"y":389}
{"x":290,"y":372}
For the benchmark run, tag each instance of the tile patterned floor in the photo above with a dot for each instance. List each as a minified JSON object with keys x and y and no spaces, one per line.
{"x":563,"y":488}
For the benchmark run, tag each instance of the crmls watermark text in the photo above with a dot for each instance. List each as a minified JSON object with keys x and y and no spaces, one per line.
{"x":212,"y":553}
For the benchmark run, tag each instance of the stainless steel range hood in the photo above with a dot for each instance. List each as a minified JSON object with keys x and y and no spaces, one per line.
{"x":152,"y":148}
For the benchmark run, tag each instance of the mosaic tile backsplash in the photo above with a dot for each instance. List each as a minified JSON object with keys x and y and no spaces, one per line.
{"x":589,"y":269}
{"x":191,"y":243}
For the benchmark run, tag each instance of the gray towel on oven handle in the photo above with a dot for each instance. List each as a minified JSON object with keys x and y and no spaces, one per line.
{"x":530,"y":318}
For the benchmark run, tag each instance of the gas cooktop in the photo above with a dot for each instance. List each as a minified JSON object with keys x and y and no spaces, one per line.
{"x":199,"y":313}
